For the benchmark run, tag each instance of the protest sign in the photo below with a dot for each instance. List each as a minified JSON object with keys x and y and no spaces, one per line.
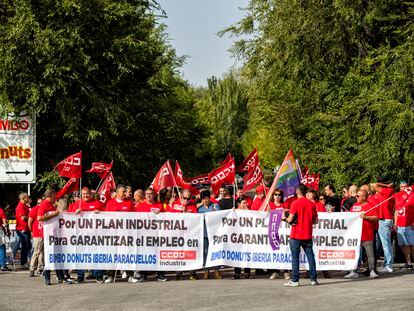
{"x":124,"y":241}
{"x":240,"y":239}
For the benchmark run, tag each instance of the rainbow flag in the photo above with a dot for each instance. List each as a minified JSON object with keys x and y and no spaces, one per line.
{"x":287,"y":179}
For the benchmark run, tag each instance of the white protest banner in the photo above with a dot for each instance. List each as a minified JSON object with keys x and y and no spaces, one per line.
{"x":124,"y":241}
{"x":240,"y":239}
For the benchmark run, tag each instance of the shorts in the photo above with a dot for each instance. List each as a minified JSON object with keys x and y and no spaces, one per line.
{"x":405,"y":236}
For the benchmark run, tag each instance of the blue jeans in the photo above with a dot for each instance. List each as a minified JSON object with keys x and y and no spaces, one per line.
{"x":3,"y":255}
{"x":22,"y":238}
{"x":384,"y":231}
{"x":307,"y":245}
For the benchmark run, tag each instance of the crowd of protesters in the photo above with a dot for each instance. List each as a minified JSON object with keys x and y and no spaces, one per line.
{"x":383,"y":211}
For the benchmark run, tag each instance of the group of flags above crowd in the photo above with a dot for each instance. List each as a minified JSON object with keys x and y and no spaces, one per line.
{"x":288,"y":176}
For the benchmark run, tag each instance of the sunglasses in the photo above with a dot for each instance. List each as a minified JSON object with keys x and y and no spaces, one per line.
{"x":277,"y":195}
{"x":186,"y":198}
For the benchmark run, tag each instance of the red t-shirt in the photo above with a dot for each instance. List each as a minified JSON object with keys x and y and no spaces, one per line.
{"x":114,"y":205}
{"x":386,"y":209}
{"x":288,"y":202}
{"x":306,"y":213}
{"x":320,"y":207}
{"x":404,"y":205}
{"x":44,"y":208}
{"x":2,"y":216}
{"x":177,"y":207}
{"x":22,"y":210}
{"x":273,"y":206}
{"x":146,"y":207}
{"x":86,"y":206}
{"x":368,"y":227}
{"x":257,"y":202}
{"x":35,"y":223}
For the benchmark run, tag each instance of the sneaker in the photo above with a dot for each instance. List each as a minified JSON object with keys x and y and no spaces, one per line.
{"x":314,"y":283}
{"x":79,"y":280}
{"x":291,"y":284}
{"x":286,"y":275}
{"x":273,"y":276}
{"x":47,"y":282}
{"x":100,"y":280}
{"x":124,"y":275}
{"x":407,"y":267}
{"x":109,"y":279}
{"x":193,"y":277}
{"x":67,"y":281}
{"x":131,"y":279}
{"x":217,"y":275}
{"x":236,"y":276}
{"x":385,"y":270}
{"x":373,"y":275}
{"x":352,"y":275}
{"x":162,"y":278}
{"x":31,"y":274}
{"x":142,"y":279}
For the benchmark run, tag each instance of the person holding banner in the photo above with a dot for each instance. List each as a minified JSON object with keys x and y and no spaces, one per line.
{"x":207,"y":206}
{"x":45,"y":212}
{"x":369,"y":214}
{"x":37,"y":262}
{"x":242,"y":205}
{"x":301,"y":234}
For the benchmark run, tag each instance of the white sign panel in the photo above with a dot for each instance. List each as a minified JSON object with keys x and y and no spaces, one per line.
{"x":124,"y":241}
{"x":17,"y":149}
{"x":240,"y":239}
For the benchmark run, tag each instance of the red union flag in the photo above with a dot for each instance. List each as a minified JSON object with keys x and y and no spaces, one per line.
{"x":199,"y":180}
{"x":179,"y":178}
{"x":101,"y":169}
{"x":71,"y":167}
{"x":311,"y":180}
{"x":164,"y":178}
{"x":107,"y":185}
{"x":253,"y":177}
{"x":223,"y":174}
{"x":71,"y":186}
{"x":250,"y":162}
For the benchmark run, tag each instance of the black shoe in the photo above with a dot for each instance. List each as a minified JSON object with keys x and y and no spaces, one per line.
{"x":100,"y":280}
{"x":326,"y":274}
{"x":247,"y":276}
{"x":79,"y":280}
{"x":178,"y":277}
{"x":31,"y":274}
{"x":406,"y":267}
{"x":66,"y":281}
{"x":47,"y":282}
{"x":236,"y":276}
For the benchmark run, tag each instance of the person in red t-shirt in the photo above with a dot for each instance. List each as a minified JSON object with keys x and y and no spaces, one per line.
{"x":404,"y":222}
{"x":277,"y":200}
{"x":87,"y":203}
{"x":47,"y":211}
{"x":249,"y":200}
{"x":301,"y":234}
{"x":369,"y":214}
{"x":384,"y":194}
{"x":22,"y":230}
{"x":313,"y":196}
{"x":150,"y":205}
{"x":37,"y":261}
{"x":259,"y":199}
{"x":119,"y":203}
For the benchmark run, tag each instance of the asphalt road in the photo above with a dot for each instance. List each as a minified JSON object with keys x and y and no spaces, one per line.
{"x":389,"y":292}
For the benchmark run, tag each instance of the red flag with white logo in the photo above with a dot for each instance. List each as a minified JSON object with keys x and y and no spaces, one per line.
{"x":101,"y":169}
{"x":311,"y":180}
{"x":71,"y":167}
{"x":251,"y":162}
{"x":224,"y":174}
{"x":179,"y":178}
{"x":252,"y":178}
{"x":71,"y":186}
{"x":164,"y":178}
{"x":107,"y":185}
{"x":199,"y":180}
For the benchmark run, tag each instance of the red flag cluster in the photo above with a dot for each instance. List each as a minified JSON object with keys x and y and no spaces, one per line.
{"x":310,"y":180}
{"x":107,"y":185}
{"x":254,"y":175}
{"x":71,"y":167}
{"x":225,"y":174}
